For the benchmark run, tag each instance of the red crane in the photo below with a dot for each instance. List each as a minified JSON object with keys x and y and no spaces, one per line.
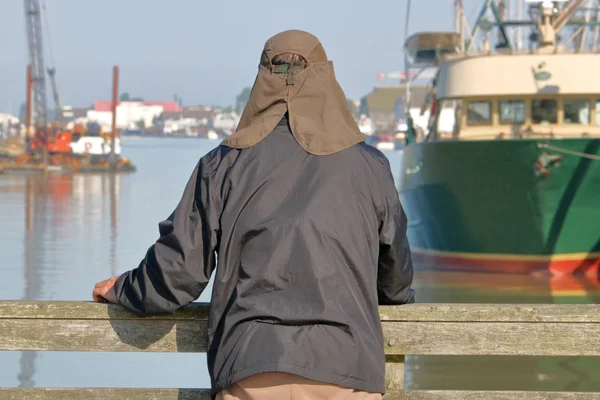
{"x":43,"y":140}
{"x":38,"y":117}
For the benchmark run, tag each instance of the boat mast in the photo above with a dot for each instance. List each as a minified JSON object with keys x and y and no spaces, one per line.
{"x":514,"y":14}
{"x":457,"y":7}
{"x":551,"y":23}
{"x":596,"y":31}
{"x":406,"y":61}
{"x":546,"y":19}
{"x":502,"y":12}
{"x":520,"y":16}
{"x":482,"y":24}
{"x":459,"y":22}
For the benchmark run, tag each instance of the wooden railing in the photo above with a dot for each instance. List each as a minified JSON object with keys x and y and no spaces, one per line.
{"x":424,"y":329}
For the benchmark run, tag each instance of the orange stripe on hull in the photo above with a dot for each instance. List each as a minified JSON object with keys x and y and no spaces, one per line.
{"x":512,"y":264}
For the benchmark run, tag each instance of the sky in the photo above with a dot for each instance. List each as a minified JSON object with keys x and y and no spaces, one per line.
{"x":204,"y":51}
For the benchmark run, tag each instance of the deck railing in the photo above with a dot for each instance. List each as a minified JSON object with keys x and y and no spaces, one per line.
{"x":420,"y":329}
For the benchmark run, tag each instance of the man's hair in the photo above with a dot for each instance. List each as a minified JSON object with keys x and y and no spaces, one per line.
{"x":291,"y":59}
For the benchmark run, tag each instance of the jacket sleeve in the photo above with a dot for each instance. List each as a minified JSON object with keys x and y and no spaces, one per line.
{"x":178,"y":266}
{"x":395,"y":268}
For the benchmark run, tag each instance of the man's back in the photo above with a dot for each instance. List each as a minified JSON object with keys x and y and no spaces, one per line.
{"x":309,"y":232}
{"x":296,"y":287}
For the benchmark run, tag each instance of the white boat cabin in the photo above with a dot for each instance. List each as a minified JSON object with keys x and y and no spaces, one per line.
{"x":514,"y":77}
{"x":518,"y":95}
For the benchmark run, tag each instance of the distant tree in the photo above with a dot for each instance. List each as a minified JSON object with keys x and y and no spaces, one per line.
{"x":141,"y":124}
{"x":22,"y":111}
{"x":178,"y":99}
{"x":227,"y":109}
{"x":242,"y":99}
{"x":127,"y":97}
{"x":158,"y":120}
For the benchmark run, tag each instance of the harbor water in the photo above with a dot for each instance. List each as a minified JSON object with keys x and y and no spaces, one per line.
{"x":62,"y":234}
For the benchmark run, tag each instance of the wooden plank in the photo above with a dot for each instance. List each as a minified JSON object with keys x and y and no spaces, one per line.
{"x":493,"y":313}
{"x":200,"y":394}
{"x":104,"y":394}
{"x":570,"y":313}
{"x":522,"y":338}
{"x":425,"y":338}
{"x":103,"y":335}
{"x":483,"y":395}
{"x":89,"y":310}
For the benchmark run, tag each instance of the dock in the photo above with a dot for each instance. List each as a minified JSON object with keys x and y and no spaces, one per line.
{"x":122,"y":165}
{"x":43,"y":153}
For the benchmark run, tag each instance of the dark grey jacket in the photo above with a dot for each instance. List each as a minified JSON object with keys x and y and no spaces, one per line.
{"x":308,"y":247}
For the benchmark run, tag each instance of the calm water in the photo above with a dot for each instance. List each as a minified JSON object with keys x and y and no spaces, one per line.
{"x":62,"y":234}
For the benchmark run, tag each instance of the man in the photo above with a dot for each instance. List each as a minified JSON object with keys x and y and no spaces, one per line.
{"x":310,"y":234}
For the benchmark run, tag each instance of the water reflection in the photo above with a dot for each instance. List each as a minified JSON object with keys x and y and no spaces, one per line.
{"x":32,"y":280}
{"x":435,"y":286}
{"x":61,"y":234}
{"x":503,"y":372}
{"x":112,"y":189}
{"x":52,"y":206}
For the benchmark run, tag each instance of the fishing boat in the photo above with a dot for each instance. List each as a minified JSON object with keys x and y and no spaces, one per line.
{"x":507,"y":177}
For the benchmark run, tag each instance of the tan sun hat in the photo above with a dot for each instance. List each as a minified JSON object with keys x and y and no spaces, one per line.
{"x":317,"y":108}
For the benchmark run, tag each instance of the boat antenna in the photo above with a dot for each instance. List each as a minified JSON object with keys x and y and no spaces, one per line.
{"x":406,"y":66}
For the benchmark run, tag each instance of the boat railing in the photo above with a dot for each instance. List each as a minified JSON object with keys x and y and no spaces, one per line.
{"x":418,"y":329}
{"x":512,"y":51}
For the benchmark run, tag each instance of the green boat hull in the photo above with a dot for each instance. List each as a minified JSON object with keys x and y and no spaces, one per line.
{"x":507,"y":205}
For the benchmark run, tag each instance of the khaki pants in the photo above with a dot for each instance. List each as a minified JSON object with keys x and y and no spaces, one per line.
{"x":283,"y":386}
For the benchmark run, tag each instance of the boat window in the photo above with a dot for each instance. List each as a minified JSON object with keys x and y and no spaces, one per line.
{"x":479,"y":112}
{"x":544,"y":111}
{"x":512,"y":112}
{"x":577,"y":111}
{"x":448,"y":118}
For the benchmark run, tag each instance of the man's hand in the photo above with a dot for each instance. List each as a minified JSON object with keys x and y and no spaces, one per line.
{"x":104,"y":291}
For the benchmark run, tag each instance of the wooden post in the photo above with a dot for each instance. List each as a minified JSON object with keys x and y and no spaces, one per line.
{"x":394,"y":373}
{"x":113,"y":134}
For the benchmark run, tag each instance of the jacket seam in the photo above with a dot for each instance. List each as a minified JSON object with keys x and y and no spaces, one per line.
{"x":213,"y":188}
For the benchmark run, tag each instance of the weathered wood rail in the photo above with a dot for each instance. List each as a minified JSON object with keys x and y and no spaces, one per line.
{"x":424,"y":329}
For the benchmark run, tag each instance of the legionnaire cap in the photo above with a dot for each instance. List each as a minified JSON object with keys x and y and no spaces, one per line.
{"x":317,"y":108}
